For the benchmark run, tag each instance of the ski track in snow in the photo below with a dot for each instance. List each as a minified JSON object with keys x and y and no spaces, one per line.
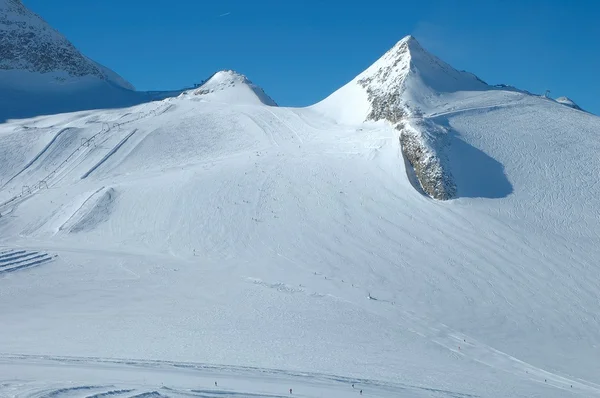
{"x":263,"y":383}
{"x":39,"y":155}
{"x":109,"y":154}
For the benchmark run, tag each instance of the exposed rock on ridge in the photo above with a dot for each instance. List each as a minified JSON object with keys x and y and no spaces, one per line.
{"x":423,"y":143}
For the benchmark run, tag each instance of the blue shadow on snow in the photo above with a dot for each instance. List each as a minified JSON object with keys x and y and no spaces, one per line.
{"x":476,"y":174}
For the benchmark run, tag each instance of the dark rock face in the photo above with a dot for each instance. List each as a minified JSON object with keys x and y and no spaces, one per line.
{"x":436,"y":181}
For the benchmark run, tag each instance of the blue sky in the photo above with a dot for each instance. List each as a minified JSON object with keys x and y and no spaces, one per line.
{"x":300,"y":51}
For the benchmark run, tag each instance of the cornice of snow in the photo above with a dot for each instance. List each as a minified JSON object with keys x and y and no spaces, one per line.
{"x":30,"y":44}
{"x":229,"y":85}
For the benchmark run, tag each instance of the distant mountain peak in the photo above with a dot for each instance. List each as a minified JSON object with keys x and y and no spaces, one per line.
{"x":233,"y":86}
{"x":30,"y":44}
{"x":224,"y":78}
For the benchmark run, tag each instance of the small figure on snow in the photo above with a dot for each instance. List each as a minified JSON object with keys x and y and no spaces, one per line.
{"x":290,"y":390}
{"x":215,"y":383}
{"x":360,"y":392}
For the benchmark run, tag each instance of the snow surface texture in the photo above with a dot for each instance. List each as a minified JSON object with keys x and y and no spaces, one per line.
{"x":209,"y":238}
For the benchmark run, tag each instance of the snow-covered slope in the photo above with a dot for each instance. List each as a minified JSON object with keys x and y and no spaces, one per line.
{"x":212,"y":237}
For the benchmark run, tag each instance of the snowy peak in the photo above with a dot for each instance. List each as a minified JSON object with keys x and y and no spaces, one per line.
{"x":29,"y":44}
{"x":407,"y":68}
{"x":42,"y":73}
{"x":405,"y":77}
{"x":230,"y":86}
{"x":399,"y":88}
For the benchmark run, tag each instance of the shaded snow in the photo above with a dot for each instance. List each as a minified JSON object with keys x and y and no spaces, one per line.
{"x":41,"y":72}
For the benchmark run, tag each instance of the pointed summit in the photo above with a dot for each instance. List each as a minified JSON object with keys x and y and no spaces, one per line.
{"x":407,"y":44}
{"x":233,"y":87}
{"x":405,"y":75}
{"x":399,"y":88}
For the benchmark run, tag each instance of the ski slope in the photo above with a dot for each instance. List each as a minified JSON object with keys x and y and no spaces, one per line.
{"x":211,"y":236}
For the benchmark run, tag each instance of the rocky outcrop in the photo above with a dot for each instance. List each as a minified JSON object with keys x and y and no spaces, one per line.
{"x":428,"y":164}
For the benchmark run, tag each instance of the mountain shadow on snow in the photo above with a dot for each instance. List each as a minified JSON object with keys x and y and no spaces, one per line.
{"x":477,"y":174}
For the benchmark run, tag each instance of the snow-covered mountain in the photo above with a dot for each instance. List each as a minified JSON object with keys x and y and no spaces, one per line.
{"x":407,"y":87}
{"x":29,"y":44}
{"x":399,"y":88}
{"x":41,"y":72}
{"x":212,"y":236}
